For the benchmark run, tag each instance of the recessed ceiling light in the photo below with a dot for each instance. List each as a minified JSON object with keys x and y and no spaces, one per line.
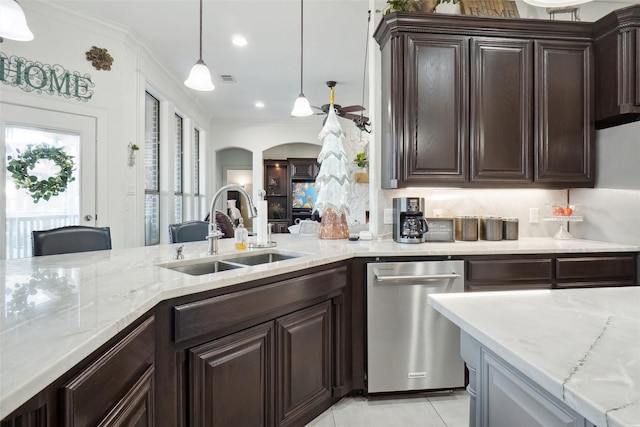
{"x":239,"y":40}
{"x":259,"y":104}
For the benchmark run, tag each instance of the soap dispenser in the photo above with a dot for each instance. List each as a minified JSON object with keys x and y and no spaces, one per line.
{"x":241,"y":235}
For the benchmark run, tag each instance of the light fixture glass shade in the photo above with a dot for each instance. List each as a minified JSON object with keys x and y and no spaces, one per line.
{"x":301,"y":107}
{"x":200,"y":78}
{"x":555,"y":3}
{"x":13,"y":24}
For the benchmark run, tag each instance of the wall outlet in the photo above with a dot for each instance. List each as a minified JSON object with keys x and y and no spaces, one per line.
{"x":388,"y":216}
{"x":534,"y":215}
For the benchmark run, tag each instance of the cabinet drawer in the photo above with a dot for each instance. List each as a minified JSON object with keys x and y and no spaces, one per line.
{"x":92,"y":394}
{"x":238,"y":310}
{"x":511,"y":270}
{"x":596,"y":271}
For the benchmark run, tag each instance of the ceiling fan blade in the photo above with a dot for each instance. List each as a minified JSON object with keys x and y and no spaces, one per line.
{"x":349,"y":116}
{"x":352,"y":108}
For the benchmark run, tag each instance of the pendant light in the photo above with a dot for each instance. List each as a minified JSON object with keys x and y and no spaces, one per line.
{"x":555,"y":3}
{"x":200,"y":77}
{"x":301,"y":107}
{"x":13,"y":24}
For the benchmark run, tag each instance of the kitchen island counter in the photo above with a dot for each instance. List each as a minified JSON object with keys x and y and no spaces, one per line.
{"x":72,"y":304}
{"x":579,"y":346}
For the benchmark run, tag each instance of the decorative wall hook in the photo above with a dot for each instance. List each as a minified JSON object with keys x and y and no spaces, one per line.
{"x":132,"y":154}
{"x":100,"y":58}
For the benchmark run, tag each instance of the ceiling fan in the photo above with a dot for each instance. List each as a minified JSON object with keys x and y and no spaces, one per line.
{"x":360,"y":120}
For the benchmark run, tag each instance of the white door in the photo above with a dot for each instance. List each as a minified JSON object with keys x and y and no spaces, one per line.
{"x":70,"y":137}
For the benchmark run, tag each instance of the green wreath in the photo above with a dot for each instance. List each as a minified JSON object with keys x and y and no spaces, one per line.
{"x":26,"y":161}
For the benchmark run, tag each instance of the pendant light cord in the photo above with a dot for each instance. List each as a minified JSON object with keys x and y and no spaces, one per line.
{"x":366,"y":55}
{"x":301,"y":43}
{"x":200,"y":30}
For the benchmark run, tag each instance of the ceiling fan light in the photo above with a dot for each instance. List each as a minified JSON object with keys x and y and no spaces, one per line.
{"x":200,"y":78}
{"x":13,"y":23}
{"x":301,"y":107}
{"x":555,"y":3}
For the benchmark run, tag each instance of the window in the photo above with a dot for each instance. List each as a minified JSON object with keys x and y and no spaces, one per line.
{"x":152,"y":172}
{"x":178,"y":173}
{"x":196,"y":174}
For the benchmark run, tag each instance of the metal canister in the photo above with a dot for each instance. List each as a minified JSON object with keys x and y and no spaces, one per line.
{"x":466,"y":228}
{"x":510,"y":228}
{"x":491,"y":228}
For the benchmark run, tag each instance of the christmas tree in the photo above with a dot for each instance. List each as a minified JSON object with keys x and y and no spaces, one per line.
{"x":333,"y":179}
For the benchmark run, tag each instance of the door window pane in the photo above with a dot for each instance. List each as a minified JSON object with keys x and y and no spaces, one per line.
{"x":23,"y":214}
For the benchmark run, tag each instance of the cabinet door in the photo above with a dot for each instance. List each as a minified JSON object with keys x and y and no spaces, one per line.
{"x":501,"y":94}
{"x":436,"y":140}
{"x":231,"y":380}
{"x":117,"y":387}
{"x":304,"y":362}
{"x":563,"y":113}
{"x":306,"y":169}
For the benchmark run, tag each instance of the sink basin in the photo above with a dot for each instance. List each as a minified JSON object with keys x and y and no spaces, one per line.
{"x":201,"y":266}
{"x":261,"y":258}
{"x":205,"y":267}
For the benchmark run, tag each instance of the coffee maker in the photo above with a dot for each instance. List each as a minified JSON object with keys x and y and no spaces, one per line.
{"x":409,"y":225}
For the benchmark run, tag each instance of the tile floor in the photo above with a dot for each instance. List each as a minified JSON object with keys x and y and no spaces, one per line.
{"x":446,"y":409}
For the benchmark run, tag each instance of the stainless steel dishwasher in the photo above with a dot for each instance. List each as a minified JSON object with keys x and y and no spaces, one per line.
{"x":410,"y":346}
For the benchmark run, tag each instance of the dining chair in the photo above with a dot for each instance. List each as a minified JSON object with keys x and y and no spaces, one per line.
{"x":224,"y":223}
{"x":70,"y":239}
{"x":189,"y":231}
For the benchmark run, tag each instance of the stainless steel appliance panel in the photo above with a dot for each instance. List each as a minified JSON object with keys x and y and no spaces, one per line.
{"x":410,"y":346}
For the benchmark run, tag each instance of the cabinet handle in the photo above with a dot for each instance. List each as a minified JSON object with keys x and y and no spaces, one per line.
{"x":418,"y":277}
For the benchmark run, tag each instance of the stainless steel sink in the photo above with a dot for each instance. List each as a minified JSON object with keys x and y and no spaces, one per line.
{"x":262,"y":258}
{"x":220,"y":263}
{"x":205,"y":267}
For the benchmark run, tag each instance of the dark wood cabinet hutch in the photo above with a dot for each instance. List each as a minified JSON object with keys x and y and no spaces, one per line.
{"x":617,"y":67}
{"x":279,"y":175}
{"x":481,"y":102}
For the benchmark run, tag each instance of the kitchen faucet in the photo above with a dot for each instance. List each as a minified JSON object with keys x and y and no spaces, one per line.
{"x":214,"y":233}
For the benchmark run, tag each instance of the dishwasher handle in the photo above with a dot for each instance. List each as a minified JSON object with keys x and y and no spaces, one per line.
{"x":415,"y":277}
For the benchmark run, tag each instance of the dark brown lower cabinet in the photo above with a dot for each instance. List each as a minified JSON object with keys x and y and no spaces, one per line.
{"x":245,"y":380}
{"x":117,"y":389}
{"x":304,"y":362}
{"x":232,"y":381}
{"x":115,"y":386}
{"x":518,"y":272}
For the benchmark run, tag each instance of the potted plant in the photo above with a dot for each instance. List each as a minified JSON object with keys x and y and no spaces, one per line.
{"x":414,"y":5}
{"x":362,"y":162}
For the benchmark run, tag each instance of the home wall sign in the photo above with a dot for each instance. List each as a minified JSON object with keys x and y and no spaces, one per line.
{"x":33,"y":76}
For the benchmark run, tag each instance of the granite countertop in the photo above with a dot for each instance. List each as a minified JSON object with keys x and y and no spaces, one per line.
{"x":580,"y":345}
{"x":71,"y":304}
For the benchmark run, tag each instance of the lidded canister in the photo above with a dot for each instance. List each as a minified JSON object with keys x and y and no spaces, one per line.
{"x":466,"y":228}
{"x":491,"y":228}
{"x":510,"y":228}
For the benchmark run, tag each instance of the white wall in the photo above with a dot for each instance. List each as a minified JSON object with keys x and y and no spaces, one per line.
{"x":62,"y":37}
{"x":612,"y":210}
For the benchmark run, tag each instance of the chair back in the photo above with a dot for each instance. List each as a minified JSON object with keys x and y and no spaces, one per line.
{"x":189,"y":231}
{"x":224,"y":224}
{"x":69,"y":239}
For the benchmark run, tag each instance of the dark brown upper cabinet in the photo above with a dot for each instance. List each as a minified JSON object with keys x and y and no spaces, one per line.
{"x":563,"y":113}
{"x":501,"y":99}
{"x":303,"y":169}
{"x":483,"y":102}
{"x":617,"y":69}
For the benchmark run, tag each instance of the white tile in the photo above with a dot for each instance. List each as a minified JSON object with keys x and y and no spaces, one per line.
{"x":419,"y":410}
{"x":386,"y":412}
{"x":453,"y":408}
{"x":323,"y":420}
